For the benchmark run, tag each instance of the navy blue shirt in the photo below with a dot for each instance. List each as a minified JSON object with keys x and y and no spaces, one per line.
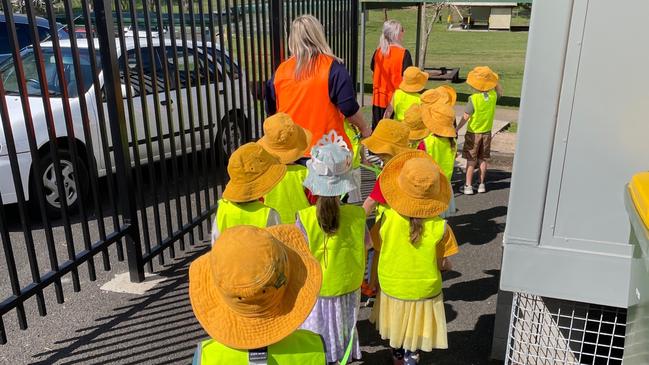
{"x":341,"y":91}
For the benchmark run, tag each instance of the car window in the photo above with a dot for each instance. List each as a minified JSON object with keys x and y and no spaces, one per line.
{"x":54,"y":84}
{"x":148,"y":66}
{"x":190,"y":66}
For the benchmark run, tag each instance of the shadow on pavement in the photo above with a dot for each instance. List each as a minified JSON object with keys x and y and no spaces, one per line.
{"x":158,"y":327}
{"x":474,"y":290}
{"x":478,"y":228}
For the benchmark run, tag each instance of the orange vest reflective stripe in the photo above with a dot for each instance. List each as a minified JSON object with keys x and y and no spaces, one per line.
{"x":388,"y":72}
{"x":307,"y":100}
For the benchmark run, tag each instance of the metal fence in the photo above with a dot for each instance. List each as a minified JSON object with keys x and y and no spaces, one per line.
{"x":117,"y":126}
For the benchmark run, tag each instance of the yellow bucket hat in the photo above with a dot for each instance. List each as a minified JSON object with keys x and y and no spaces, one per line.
{"x":436,"y":95}
{"x":482,"y":78}
{"x":253,"y":173}
{"x":413,"y":185}
{"x":412,"y":119}
{"x":439,"y":119}
{"x":285,"y":139}
{"x":389,"y":137}
{"x":246,"y":301}
{"x":450,"y":91}
{"x":414,"y":80}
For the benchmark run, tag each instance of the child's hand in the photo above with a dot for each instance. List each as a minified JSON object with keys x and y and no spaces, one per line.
{"x":446,"y":265}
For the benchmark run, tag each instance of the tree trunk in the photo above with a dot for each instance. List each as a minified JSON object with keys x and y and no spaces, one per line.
{"x":429,"y":28}
{"x":385,"y":14}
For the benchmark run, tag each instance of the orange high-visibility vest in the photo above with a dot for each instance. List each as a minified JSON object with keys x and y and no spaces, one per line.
{"x":388,"y":73}
{"x":307,"y":100}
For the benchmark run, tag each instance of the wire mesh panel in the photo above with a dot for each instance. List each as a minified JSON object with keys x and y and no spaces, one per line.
{"x":552,"y":331}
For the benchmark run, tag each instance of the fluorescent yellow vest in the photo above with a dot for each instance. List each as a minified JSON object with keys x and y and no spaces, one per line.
{"x":482,"y":119}
{"x":344,"y":266}
{"x":287,"y":197}
{"x":302,"y":347}
{"x":229,"y":214}
{"x":355,"y":137}
{"x":439,"y":148}
{"x":403,"y":101}
{"x":409,"y":271}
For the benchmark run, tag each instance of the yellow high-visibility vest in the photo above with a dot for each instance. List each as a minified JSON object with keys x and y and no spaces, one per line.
{"x":482,"y":119}
{"x":287,"y":197}
{"x":403,"y":101}
{"x":409,"y":271}
{"x":355,"y":137}
{"x":229,"y":214}
{"x":342,"y":254}
{"x":439,"y":148}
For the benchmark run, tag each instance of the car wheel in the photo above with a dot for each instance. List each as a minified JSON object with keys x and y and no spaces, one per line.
{"x":232,"y":134}
{"x":75,"y":184}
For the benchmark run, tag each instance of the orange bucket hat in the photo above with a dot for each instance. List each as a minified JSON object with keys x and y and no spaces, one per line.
{"x":389,"y":137}
{"x":450,"y":91}
{"x":439,"y":119}
{"x":412,"y":119}
{"x":246,"y":301}
{"x":285,"y":139}
{"x":413,"y":185}
{"x":482,"y":78}
{"x":436,"y":95}
{"x":414,"y":80}
{"x":253,"y":173}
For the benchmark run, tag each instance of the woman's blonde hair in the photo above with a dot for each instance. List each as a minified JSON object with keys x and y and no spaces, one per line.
{"x":390,"y":35}
{"x":306,"y":42}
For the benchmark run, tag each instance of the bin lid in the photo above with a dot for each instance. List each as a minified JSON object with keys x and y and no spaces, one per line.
{"x":639,"y":191}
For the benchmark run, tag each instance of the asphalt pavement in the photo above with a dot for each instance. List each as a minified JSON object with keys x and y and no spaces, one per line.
{"x":158,"y":327}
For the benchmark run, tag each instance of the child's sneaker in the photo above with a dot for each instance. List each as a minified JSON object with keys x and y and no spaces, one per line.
{"x":468,"y":190}
{"x":482,"y":188}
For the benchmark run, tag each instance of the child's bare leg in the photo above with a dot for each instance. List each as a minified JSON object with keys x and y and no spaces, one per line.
{"x":470,"y":166}
{"x":483,"y":171}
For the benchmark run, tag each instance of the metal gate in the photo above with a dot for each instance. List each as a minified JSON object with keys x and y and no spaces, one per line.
{"x":117,"y":121}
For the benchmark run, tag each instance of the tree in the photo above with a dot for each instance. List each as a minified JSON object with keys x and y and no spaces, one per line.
{"x":430,"y":13}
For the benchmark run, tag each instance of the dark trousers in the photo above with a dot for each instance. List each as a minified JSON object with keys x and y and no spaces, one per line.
{"x":377,"y":115}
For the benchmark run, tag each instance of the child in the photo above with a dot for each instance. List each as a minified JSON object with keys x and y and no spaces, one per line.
{"x":388,"y":139}
{"x":415,"y":245}
{"x":408,"y":93}
{"x":288,"y":141}
{"x":354,"y":135}
{"x":439,"y":119}
{"x":253,"y":173}
{"x":251,"y":292}
{"x":338,"y":238}
{"x":479,"y":113}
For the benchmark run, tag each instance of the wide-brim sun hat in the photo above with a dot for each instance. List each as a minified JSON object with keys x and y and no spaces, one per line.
{"x":253,"y":172}
{"x":329,"y":169}
{"x":439,"y":119}
{"x":414,"y":80}
{"x":482,"y":78}
{"x":450,"y":91}
{"x":413,"y":120}
{"x":285,"y":139}
{"x":389,"y":137}
{"x":434,"y":96}
{"x":414,"y":186}
{"x":246,"y":301}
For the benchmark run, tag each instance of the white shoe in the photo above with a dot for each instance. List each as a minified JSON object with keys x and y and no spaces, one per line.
{"x":468,"y":190}
{"x":482,"y":188}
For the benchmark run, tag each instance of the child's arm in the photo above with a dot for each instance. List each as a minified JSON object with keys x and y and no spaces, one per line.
{"x":369,"y":205}
{"x":389,"y":109}
{"x":445,"y":248}
{"x":463,"y":121}
{"x":499,"y":90}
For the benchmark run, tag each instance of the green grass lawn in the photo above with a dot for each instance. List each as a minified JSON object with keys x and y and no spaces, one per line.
{"x":504,"y":52}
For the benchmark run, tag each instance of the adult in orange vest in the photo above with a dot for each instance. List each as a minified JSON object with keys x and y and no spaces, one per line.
{"x":251,"y":292}
{"x":388,"y":63}
{"x":313,"y":86}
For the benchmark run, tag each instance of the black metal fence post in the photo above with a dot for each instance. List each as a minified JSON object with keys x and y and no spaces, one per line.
{"x":112,"y":88}
{"x":277,"y":32}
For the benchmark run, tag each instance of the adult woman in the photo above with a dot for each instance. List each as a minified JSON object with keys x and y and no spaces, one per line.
{"x":313,"y":86}
{"x":388,"y":63}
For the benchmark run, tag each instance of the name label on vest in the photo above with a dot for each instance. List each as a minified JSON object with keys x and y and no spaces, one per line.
{"x":258,"y":356}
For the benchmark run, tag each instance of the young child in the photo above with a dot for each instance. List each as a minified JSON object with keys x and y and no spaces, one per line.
{"x":415,"y":246}
{"x":439,"y":119}
{"x":251,"y":292}
{"x":288,"y":141}
{"x":354,"y":135}
{"x":338,"y":238}
{"x":253,"y":173}
{"x":479,"y":113}
{"x":409,"y":92}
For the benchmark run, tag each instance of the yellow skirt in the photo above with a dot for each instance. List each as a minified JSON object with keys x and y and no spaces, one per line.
{"x":411,"y":324}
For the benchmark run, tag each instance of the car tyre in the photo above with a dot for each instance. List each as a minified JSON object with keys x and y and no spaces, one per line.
{"x":76,"y":184}
{"x":229,"y":125}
